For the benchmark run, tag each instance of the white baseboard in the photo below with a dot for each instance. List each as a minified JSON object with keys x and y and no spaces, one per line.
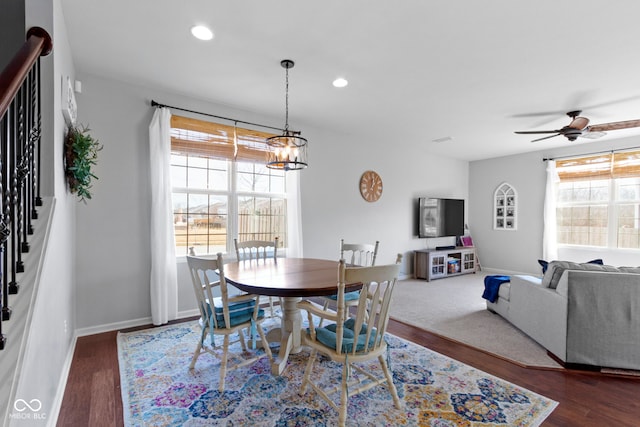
{"x":52,"y":419}
{"x":108,"y":327}
{"x":188,"y":313}
{"x":116,"y":326}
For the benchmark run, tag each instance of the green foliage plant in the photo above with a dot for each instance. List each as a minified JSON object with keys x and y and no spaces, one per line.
{"x":80,"y":155}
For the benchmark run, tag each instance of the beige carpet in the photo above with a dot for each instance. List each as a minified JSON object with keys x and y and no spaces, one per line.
{"x":454,"y":308}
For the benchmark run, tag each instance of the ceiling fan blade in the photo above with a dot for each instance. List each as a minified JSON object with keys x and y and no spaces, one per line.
{"x":592,"y":135}
{"x":579,"y":123}
{"x":531,"y":132}
{"x":546,"y":137}
{"x":611,"y":102}
{"x":578,"y":103}
{"x":538,"y":114}
{"x":615,"y":126}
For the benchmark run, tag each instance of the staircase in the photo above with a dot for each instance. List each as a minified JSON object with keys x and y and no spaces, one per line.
{"x":25,"y":216}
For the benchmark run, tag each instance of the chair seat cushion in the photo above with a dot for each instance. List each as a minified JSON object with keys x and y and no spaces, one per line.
{"x":328,"y":336}
{"x":349,"y":296}
{"x":239,"y":312}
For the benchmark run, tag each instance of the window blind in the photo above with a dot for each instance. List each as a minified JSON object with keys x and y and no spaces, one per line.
{"x":603,"y":166}
{"x":214,"y":140}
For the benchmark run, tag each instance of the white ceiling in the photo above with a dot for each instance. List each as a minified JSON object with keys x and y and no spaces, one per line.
{"x":418,"y":70}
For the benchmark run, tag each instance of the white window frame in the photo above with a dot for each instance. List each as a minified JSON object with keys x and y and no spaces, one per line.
{"x":232,"y":194}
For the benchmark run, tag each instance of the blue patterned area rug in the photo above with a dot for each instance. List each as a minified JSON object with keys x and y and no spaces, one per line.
{"x":158,"y":389}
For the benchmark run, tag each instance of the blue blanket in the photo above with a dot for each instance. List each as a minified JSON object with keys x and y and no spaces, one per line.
{"x":492,"y":286}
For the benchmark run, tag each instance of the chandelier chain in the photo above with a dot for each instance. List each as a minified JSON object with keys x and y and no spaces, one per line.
{"x":286,"y":107}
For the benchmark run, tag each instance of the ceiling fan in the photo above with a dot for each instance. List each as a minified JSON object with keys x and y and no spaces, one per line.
{"x":579,"y":127}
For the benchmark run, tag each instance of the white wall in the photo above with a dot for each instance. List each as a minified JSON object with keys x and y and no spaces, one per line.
{"x":332,"y":207}
{"x":113,"y":259}
{"x":518,"y":251}
{"x":113,"y":233}
{"x":510,"y":250}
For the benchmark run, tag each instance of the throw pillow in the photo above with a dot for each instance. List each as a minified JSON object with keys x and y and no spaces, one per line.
{"x":544,"y":264}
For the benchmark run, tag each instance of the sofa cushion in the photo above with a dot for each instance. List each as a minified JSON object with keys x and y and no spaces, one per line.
{"x":634,"y":270}
{"x":545,"y":264}
{"x":556,"y":268}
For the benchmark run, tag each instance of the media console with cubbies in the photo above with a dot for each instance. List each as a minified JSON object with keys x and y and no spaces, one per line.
{"x":432,"y":264}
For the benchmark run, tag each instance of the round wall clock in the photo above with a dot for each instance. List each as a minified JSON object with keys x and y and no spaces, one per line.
{"x":370,"y":186}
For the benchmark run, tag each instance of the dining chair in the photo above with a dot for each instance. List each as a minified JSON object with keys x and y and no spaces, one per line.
{"x":353,"y":340}
{"x":355,"y":254}
{"x":224,"y":315}
{"x":256,"y":250}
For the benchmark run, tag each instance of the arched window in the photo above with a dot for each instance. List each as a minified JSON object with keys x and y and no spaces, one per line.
{"x":505,"y":204}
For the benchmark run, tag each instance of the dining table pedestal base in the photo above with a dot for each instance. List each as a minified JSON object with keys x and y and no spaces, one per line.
{"x":290,"y":329}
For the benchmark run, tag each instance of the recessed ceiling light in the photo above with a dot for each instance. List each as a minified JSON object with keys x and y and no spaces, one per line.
{"x":340,"y":82}
{"x":201,"y":32}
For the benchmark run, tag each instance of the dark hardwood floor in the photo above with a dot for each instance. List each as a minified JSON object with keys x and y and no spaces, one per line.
{"x":92,"y":396}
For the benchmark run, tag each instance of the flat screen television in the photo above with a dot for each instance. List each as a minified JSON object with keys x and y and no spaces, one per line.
{"x":440,"y":217}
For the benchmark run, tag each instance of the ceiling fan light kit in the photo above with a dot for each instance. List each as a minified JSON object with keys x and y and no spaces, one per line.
{"x":579,"y":127}
{"x":289,"y":150}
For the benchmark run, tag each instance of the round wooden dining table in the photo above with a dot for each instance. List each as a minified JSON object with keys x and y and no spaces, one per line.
{"x":292,"y":279}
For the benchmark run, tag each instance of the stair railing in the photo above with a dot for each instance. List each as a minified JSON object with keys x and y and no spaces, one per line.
{"x":20,"y":137}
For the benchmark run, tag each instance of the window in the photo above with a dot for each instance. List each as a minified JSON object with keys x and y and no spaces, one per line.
{"x":222,"y":188}
{"x":598,"y":201}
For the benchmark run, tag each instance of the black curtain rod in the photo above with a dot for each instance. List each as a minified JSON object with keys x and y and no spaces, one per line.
{"x":157,"y":104}
{"x":589,"y":154}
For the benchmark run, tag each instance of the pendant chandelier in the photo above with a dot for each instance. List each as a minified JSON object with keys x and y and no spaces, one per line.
{"x":289,"y":150}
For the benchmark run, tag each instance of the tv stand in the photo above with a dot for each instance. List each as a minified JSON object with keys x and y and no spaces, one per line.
{"x":437,"y":263}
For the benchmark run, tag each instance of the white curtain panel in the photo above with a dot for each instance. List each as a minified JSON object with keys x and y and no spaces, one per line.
{"x":164,"y":282}
{"x":550,"y":237}
{"x":294,"y":213}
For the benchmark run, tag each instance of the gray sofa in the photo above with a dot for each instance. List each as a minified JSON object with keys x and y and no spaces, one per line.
{"x":584,"y":314}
